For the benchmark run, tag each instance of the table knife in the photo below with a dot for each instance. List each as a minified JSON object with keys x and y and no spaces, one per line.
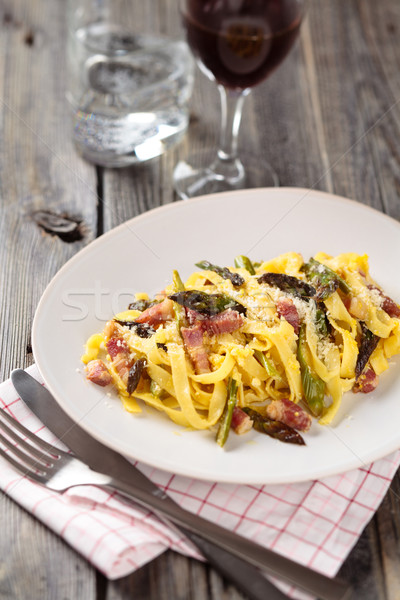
{"x":228,"y":552}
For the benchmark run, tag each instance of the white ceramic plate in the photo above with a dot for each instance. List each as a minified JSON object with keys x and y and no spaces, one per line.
{"x":140,"y":256}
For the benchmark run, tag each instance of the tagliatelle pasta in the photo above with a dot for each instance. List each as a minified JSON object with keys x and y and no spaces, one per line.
{"x":260,"y":345}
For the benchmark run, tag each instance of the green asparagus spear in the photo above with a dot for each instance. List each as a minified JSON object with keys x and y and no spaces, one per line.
{"x":313,"y":386}
{"x":268,"y":365}
{"x":177,"y":281}
{"x":275,"y":429}
{"x":207,"y":304}
{"x":236,"y":279}
{"x":155,"y":389}
{"x":243,"y":262}
{"x":180,"y":315}
{"x":320,"y":321}
{"x":325,"y":279}
{"x":289,"y":284}
{"x":226,"y":419}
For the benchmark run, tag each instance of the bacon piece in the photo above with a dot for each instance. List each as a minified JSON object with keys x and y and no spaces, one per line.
{"x":346,"y":299}
{"x":120,"y":356}
{"x":241,"y":423}
{"x":367,"y":381}
{"x":193,"y":338}
{"x":115,"y":346}
{"x":290,"y":413}
{"x":97,"y":372}
{"x":157,"y":314}
{"x":388,"y":305}
{"x":226,"y":321}
{"x":193,"y":317}
{"x":287,"y":310}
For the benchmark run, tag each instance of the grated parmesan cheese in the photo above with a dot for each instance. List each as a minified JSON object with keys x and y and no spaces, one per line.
{"x":368,"y":295}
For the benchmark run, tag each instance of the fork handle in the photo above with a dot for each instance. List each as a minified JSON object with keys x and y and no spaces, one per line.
{"x":275,"y":564}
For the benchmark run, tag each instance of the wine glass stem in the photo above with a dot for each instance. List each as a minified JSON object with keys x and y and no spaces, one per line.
{"x":227,"y":163}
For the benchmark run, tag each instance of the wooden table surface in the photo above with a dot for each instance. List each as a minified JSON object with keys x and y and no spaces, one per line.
{"x":329,"y":118}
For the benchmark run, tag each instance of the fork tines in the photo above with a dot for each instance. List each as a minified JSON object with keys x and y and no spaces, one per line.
{"x":34,"y":454}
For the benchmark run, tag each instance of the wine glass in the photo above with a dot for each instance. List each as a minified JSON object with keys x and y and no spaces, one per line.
{"x":237,"y":44}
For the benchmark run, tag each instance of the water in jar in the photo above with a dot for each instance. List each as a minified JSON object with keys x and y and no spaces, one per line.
{"x":129,"y":93}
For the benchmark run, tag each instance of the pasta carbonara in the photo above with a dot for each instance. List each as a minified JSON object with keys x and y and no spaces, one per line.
{"x":259,"y":345}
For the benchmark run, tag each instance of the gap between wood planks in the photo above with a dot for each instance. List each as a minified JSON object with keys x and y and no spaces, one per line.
{"x":100,"y":199}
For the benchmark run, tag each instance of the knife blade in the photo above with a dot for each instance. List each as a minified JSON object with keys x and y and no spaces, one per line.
{"x":130,"y":479}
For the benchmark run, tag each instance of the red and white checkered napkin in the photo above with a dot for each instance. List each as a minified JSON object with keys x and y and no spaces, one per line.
{"x":315,"y":523}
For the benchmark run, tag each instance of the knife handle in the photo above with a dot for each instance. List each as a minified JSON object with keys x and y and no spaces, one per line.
{"x":275,"y":564}
{"x":247,"y":578}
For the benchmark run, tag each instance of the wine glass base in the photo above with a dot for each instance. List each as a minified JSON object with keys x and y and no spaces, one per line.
{"x":190,"y":181}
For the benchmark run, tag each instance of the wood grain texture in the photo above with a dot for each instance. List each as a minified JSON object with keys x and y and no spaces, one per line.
{"x":37,"y":564}
{"x":328,"y":118}
{"x":389,"y":539}
{"x":358,"y":105}
{"x":38,"y":170}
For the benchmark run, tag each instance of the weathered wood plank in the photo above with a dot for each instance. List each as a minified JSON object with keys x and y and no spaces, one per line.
{"x":39,"y":170}
{"x":388,"y":529}
{"x":363,"y":569}
{"x":382,"y":103}
{"x":173,"y":576}
{"x":36,"y":564}
{"x":358,"y":106}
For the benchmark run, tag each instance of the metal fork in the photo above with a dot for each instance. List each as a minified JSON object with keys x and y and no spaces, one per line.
{"x":42,"y":462}
{"x":58,"y":470}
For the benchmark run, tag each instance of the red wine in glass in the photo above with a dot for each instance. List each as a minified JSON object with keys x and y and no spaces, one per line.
{"x":238,"y":44}
{"x":241,"y":43}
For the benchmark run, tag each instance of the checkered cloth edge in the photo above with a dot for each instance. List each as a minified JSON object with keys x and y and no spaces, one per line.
{"x":315,"y":523}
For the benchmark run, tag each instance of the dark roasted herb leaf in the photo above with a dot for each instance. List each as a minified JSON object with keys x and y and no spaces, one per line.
{"x":207,"y":304}
{"x":143,"y":330}
{"x":236,"y":279}
{"x":275,"y":429}
{"x":142,"y":304}
{"x":289,"y":284}
{"x":135,"y":374}
{"x":368,"y":343}
{"x":162,"y":346}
